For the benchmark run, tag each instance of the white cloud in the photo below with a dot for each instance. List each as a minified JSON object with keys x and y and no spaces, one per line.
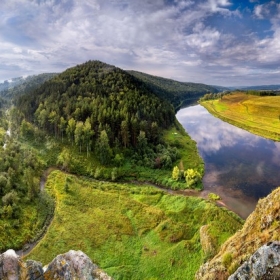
{"x":174,"y":40}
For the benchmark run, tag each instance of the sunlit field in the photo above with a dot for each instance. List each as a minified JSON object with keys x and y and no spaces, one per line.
{"x":257,"y":114}
{"x":132,"y":232}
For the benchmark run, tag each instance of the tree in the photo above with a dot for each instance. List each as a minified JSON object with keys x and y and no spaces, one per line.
{"x":53,"y":119}
{"x":79,"y":137}
{"x":134,"y":129}
{"x":118,"y":160}
{"x":176,"y":173}
{"x":142,"y":142}
{"x":125,"y":133}
{"x":154,"y":132}
{"x":64,"y":159}
{"x":70,"y":130}
{"x":62,"y":126}
{"x":10,"y":198}
{"x":88,"y":133}
{"x":103,"y":149}
{"x":42,"y":118}
{"x":26,"y":129}
{"x":32,"y":183}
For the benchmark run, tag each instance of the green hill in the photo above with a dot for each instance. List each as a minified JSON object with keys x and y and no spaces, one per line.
{"x":112,"y":117}
{"x":105,"y":96}
{"x":176,"y":92}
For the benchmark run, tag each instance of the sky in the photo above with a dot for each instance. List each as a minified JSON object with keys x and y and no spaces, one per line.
{"x":216,"y":42}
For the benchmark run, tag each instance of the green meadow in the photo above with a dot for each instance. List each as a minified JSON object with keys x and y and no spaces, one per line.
{"x":132,"y":232}
{"x":257,"y":114}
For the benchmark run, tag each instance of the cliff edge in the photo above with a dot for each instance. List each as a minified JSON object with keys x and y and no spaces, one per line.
{"x":260,"y":228}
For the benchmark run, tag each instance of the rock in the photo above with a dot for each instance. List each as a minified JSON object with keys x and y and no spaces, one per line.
{"x":263,"y":264}
{"x":260,"y":228}
{"x":69,"y":266}
{"x":9,"y":265}
{"x":72,"y":265}
{"x":34,"y":270}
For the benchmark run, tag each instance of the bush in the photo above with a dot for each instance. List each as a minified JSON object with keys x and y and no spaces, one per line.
{"x":193,"y":178}
{"x":213,"y":196}
{"x":227,"y":259}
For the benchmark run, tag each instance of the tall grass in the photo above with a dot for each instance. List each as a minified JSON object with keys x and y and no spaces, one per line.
{"x":132,"y":232}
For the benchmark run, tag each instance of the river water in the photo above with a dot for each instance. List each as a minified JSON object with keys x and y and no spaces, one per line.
{"x":239,"y":166}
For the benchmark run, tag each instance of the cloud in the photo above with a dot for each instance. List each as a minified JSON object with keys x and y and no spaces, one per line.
{"x":180,"y":39}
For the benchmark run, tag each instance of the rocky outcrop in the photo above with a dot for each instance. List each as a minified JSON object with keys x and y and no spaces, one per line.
{"x":261,"y":227}
{"x":68,"y":266}
{"x":9,"y":265}
{"x":263,"y":264}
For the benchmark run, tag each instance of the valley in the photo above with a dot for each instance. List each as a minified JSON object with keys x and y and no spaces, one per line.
{"x":122,"y":176}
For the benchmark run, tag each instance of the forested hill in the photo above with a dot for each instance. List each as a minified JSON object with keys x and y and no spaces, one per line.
{"x":176,"y":92}
{"x":95,"y":97}
{"x":18,"y":86}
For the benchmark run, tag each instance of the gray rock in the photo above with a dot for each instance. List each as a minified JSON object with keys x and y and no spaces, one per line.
{"x":9,"y":266}
{"x":74,"y":265}
{"x":69,"y":266}
{"x":34,"y":270}
{"x":264,"y":264}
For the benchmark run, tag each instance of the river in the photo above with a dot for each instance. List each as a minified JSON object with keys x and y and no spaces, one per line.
{"x":239,"y":166}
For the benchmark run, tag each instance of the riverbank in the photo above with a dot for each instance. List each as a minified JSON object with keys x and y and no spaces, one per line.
{"x":257,"y":114}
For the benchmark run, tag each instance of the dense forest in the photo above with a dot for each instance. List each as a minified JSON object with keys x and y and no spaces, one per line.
{"x":176,"y":92}
{"x":97,"y":107}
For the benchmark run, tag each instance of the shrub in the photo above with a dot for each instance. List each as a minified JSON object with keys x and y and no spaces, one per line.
{"x":213,"y":196}
{"x":175,"y":173}
{"x":193,"y":178}
{"x":227,"y":259}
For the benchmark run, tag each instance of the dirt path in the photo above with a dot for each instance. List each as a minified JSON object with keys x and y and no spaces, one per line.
{"x":26,"y":249}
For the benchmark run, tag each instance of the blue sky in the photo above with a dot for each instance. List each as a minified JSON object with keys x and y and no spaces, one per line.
{"x":220,"y":42}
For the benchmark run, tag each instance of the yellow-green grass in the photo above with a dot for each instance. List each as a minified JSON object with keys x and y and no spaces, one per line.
{"x":131,"y":232}
{"x":257,"y":114}
{"x":17,"y":232}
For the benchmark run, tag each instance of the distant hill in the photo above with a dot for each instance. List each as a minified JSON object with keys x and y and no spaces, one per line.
{"x":176,"y":92}
{"x":221,"y":88}
{"x":262,"y":87}
{"x":11,"y":83}
{"x":17,"y":86}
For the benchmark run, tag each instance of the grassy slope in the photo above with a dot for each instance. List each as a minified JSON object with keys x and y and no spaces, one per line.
{"x":131,"y":232}
{"x":259,"y":115}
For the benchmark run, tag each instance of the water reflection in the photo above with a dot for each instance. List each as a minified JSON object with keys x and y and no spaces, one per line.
{"x":239,"y":166}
